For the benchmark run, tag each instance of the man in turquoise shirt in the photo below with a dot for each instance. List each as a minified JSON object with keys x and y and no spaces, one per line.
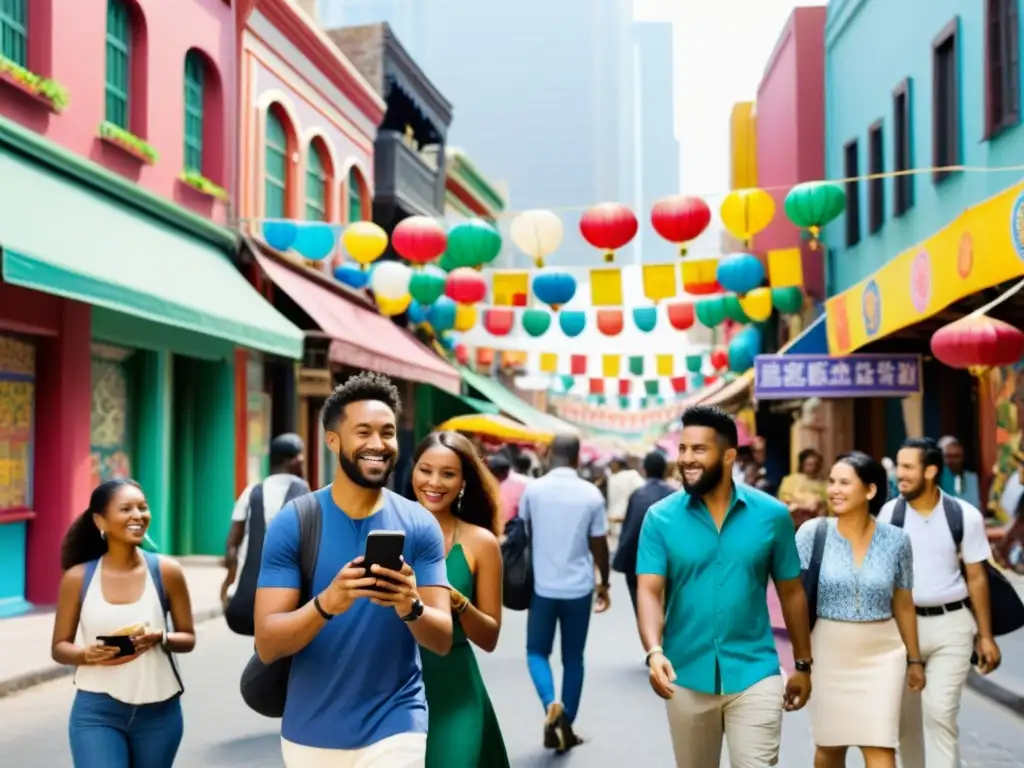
{"x":706,"y":554}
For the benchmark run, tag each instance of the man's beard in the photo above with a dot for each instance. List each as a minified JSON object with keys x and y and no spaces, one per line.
{"x":351,"y":470}
{"x":913,"y":493}
{"x":708,"y":480}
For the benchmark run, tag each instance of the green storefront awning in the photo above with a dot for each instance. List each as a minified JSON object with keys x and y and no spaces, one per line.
{"x":65,"y":238}
{"x":480,"y":406}
{"x":520,"y":410}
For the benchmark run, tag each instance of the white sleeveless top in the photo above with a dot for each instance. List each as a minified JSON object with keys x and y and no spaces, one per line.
{"x":145,"y":680}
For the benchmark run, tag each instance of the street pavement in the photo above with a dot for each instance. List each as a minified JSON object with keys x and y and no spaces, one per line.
{"x":623,"y":721}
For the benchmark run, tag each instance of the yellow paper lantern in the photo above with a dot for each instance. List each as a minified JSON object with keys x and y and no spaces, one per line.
{"x":465,"y":317}
{"x":757,"y":305}
{"x":746,"y":212}
{"x":392,"y":307}
{"x":364,"y":242}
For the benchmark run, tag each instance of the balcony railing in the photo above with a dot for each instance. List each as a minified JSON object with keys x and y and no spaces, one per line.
{"x":403,"y":177}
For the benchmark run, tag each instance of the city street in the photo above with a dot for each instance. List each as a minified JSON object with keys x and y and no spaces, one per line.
{"x":621,"y":718}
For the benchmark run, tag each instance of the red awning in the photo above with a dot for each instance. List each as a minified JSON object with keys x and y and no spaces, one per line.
{"x":361,"y":338}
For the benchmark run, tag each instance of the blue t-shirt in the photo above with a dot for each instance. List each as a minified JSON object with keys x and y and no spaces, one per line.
{"x":360,"y":679}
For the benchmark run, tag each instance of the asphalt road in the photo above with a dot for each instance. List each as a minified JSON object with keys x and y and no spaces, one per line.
{"x":622,"y":720}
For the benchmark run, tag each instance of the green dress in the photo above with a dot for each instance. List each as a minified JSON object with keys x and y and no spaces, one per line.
{"x":463,"y":729}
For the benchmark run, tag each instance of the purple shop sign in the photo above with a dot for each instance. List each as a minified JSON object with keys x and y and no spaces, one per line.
{"x":792,"y":377}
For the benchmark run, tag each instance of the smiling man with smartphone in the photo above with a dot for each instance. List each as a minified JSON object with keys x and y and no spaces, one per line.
{"x":355,"y":693}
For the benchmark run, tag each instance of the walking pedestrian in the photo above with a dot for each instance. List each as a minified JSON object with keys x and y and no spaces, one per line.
{"x":450,"y":480}
{"x":864,"y":641}
{"x":127,"y":710}
{"x":622,"y":481}
{"x":703,"y":565}
{"x":355,"y":693}
{"x":653,"y":490}
{"x":510,"y":485}
{"x":569,"y":534}
{"x":954,"y":618}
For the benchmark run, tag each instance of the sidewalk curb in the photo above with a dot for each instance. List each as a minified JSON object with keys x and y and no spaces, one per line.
{"x":27,"y":680}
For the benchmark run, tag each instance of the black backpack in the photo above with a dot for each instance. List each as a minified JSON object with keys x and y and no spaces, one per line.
{"x":239,"y":611}
{"x":1004,"y":602}
{"x":265,"y":686}
{"x":517,"y":565}
{"x":811,"y":575}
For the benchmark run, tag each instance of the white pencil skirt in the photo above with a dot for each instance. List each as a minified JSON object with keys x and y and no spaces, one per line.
{"x":859,"y":676}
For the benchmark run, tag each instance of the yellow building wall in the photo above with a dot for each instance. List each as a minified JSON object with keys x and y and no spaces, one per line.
{"x":743,"y":142}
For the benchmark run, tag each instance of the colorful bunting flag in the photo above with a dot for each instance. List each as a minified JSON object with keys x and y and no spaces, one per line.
{"x":652,"y":386}
{"x":548,"y":362}
{"x":610,"y":366}
{"x":510,"y":289}
{"x":606,"y":287}
{"x":597,"y":386}
{"x":785,"y":268}
{"x":666,"y":365}
{"x":578,"y":365}
{"x":625,"y":385}
{"x":636,"y":365}
{"x":659,"y":281}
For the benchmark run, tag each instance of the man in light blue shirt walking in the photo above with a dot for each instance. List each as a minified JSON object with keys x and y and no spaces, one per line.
{"x":568,"y":534}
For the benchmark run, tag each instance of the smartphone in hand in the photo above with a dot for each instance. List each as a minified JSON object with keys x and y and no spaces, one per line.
{"x":384,"y":548}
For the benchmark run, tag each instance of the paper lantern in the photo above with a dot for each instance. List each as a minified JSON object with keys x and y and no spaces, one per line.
{"x":465,"y":285}
{"x":608,"y":226}
{"x":442,"y":315}
{"x":733,"y":309}
{"x":465,"y":317}
{"x":390,"y":280}
{"x":681,"y":315}
{"x":711,"y":311}
{"x":554,"y":288}
{"x":645,"y":318}
{"x":447,"y":342}
{"x":746,"y":212}
{"x":417,"y":313}
{"x":472,"y":243}
{"x":462,"y":354}
{"x":536,"y":322}
{"x":609,"y":321}
{"x":977,"y":343}
{"x":744,"y":347}
{"x":499,"y":321}
{"x":280,"y":235}
{"x":719,"y":358}
{"x":427,"y":285}
{"x":740,"y":272}
{"x":813,"y":205}
{"x":315,"y":241}
{"x":757,"y":305}
{"x":788,"y":300}
{"x":364,"y":242}
{"x":572,"y":323}
{"x":419,"y":239}
{"x":392,"y":307}
{"x":537,"y":234}
{"x":680,"y":219}
{"x":351,"y":275}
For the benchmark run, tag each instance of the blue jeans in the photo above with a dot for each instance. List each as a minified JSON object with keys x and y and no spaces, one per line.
{"x":107,"y":733}
{"x":572,"y":617}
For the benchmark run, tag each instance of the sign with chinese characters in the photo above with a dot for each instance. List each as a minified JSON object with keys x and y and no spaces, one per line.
{"x":793,"y":377}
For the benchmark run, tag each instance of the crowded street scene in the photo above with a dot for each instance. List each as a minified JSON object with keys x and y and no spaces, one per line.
{"x":468,"y":384}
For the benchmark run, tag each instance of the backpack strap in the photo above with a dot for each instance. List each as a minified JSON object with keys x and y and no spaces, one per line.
{"x":954,"y":519}
{"x":153,"y":565}
{"x":899,"y":512}
{"x":818,"y":550}
{"x":307,"y":508}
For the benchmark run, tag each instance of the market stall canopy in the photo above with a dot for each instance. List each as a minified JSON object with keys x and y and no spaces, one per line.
{"x":64,"y":237}
{"x":496,"y":426}
{"x":518,"y":409}
{"x":360,"y":337}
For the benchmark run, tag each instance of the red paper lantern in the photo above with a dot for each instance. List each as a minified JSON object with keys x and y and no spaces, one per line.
{"x":419,"y":239}
{"x":978,"y":342}
{"x":465,"y":285}
{"x":609,"y":321}
{"x":719,"y":359}
{"x":681,"y":315}
{"x":499,"y":321}
{"x":608,"y":226}
{"x":462,"y":354}
{"x":680,"y":219}
{"x":679,"y":384}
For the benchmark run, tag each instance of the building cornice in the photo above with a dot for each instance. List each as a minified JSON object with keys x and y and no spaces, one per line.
{"x":396,"y":56}
{"x":459,"y":166}
{"x":840,"y":14}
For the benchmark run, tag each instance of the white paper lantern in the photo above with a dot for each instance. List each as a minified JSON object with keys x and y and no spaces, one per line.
{"x":537,"y":233}
{"x":390,"y":280}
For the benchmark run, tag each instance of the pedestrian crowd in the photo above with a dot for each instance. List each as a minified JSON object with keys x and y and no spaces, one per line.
{"x":365,"y":604}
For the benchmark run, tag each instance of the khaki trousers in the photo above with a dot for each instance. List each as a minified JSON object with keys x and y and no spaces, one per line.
{"x":751,"y":722}
{"x":406,"y":750}
{"x":928,"y":727}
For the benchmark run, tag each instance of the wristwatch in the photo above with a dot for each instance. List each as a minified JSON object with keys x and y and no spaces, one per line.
{"x":415,"y":613}
{"x":802,"y":665}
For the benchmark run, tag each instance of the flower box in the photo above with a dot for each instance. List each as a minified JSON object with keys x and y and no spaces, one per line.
{"x":128,"y":143}
{"x":203,"y":185}
{"x":43,"y":90}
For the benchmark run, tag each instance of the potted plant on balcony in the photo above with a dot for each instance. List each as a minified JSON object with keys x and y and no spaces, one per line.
{"x":42,"y":89}
{"x":203,"y":185}
{"x":128,"y":142}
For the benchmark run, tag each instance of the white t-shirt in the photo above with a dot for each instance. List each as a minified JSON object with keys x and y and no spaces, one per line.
{"x":621,"y":485}
{"x":275,"y":488}
{"x":937,"y":577}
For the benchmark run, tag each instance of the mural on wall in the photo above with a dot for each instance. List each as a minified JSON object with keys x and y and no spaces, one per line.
{"x":17,"y":396}
{"x":1008,"y":392}
{"x":109,"y":423}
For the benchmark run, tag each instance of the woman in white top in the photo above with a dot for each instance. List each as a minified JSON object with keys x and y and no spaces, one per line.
{"x":127,"y":710}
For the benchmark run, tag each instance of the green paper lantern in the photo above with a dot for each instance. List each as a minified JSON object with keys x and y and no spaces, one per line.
{"x":636,"y":365}
{"x":711,"y":312}
{"x":652,"y":387}
{"x":788,"y":300}
{"x":815,"y":204}
{"x":733,"y":309}
{"x":472,"y":243}
{"x":536,"y":322}
{"x":426,"y":287}
{"x":694,"y":363}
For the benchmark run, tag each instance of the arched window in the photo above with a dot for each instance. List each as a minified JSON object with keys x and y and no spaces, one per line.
{"x":276,"y":168}
{"x":195,"y":115}
{"x":355,"y":195}
{"x":119,"y":64}
{"x":316,"y":184}
{"x":14,"y":31}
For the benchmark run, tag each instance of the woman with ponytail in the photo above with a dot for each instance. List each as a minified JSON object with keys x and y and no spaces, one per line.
{"x":117,"y":598}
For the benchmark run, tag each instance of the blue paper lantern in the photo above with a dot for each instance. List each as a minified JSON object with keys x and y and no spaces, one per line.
{"x":645,"y":318}
{"x":417,"y":313}
{"x":740,"y":273}
{"x":442,"y":314}
{"x":280,"y":235}
{"x":315,"y":241}
{"x":743,"y":349}
{"x":351,"y":275}
{"x":447,"y":341}
{"x":554,"y":288}
{"x":572,"y":323}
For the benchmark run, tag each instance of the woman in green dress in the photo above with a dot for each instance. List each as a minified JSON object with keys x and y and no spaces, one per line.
{"x":451,"y":481}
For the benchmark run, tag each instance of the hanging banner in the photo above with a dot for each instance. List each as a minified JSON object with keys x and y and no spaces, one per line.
{"x":796,"y":377}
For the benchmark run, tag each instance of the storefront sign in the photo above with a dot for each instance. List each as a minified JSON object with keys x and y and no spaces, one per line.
{"x":793,"y":377}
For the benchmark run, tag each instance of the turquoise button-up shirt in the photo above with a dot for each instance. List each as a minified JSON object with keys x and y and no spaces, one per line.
{"x":716,"y":610}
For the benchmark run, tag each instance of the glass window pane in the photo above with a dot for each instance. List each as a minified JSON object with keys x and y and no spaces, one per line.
{"x":118,"y":57}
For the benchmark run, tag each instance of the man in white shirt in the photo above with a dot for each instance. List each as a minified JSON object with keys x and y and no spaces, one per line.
{"x":954,"y":619}
{"x":622,"y":482}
